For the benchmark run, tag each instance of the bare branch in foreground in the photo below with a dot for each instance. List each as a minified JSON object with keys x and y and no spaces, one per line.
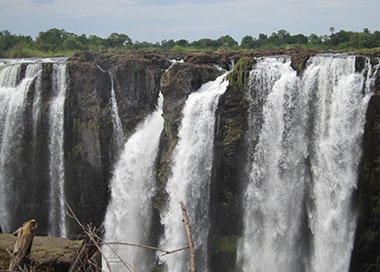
{"x":91,"y":235}
{"x":189,"y":238}
{"x":93,"y":240}
{"x":147,"y":247}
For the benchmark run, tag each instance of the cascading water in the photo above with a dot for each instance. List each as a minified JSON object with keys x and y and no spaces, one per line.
{"x":189,"y":182}
{"x":303,"y":168}
{"x":129,"y":212}
{"x":23,"y":140}
{"x":13,"y":97}
{"x":338,"y":117}
{"x":116,"y":122}
{"x":56,"y":163}
{"x":273,"y":200}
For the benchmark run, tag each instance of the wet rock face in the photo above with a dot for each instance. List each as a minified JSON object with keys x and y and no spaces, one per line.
{"x":137,"y":86}
{"x":90,"y":149}
{"x":137,"y":79}
{"x":176,"y":84}
{"x":366,"y":249}
{"x":88,"y":135}
{"x":225,"y":209}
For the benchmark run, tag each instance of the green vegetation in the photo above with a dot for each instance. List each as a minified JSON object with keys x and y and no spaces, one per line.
{"x":238,"y":78}
{"x":58,"y":42}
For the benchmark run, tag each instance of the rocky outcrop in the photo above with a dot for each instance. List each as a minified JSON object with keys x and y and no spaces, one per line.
{"x":227,"y":174}
{"x":366,"y":252}
{"x":90,"y":150}
{"x":176,"y":84}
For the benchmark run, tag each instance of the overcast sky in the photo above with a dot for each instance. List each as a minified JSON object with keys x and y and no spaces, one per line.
{"x":154,"y":21}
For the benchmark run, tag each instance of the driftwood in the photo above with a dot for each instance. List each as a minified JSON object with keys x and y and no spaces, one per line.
{"x":189,"y":238}
{"x":23,"y":245}
{"x":87,"y":249}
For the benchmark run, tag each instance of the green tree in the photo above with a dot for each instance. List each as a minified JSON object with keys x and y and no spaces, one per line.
{"x":281,"y":37}
{"x":74,"y":43}
{"x":8,"y":40}
{"x":339,"y":38}
{"x":182,"y":43}
{"x":167,"y":44}
{"x":14,"y":45}
{"x":297,"y":39}
{"x":227,"y":42}
{"x":145,"y":45}
{"x":376,"y":38}
{"x":205,"y":43}
{"x":96,"y":42}
{"x":247,"y":42}
{"x":118,"y":40}
{"x":52,"y":39}
{"x":361,"y":40}
{"x":314,"y":39}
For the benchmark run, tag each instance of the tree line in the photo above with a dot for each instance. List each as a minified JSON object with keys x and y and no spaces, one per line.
{"x":55,"y":42}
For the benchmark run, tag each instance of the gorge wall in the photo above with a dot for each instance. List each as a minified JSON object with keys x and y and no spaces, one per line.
{"x":94,"y":133}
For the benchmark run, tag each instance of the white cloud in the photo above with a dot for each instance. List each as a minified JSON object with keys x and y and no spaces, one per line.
{"x":189,"y":19}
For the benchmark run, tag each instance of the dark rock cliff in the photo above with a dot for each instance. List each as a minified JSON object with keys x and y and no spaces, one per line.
{"x":366,"y":252}
{"x":176,"y":84}
{"x":90,"y":149}
{"x":228,"y":169}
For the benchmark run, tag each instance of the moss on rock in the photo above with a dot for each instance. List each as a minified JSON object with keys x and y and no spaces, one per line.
{"x":238,"y":79}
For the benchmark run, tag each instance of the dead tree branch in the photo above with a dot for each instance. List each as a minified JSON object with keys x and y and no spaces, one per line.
{"x":88,"y":233}
{"x":93,"y":242}
{"x":189,"y":238}
{"x":166,"y":252}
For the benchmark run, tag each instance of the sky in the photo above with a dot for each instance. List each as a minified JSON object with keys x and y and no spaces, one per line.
{"x":155,"y":21}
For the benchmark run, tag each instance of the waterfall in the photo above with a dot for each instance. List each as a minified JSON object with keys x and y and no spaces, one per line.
{"x":24,"y":186}
{"x":304,"y":152}
{"x":189,"y":182}
{"x":13,"y":100}
{"x":273,"y":199}
{"x":56,"y":162}
{"x":129,"y":212}
{"x":116,"y":122}
{"x":338,"y":116}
